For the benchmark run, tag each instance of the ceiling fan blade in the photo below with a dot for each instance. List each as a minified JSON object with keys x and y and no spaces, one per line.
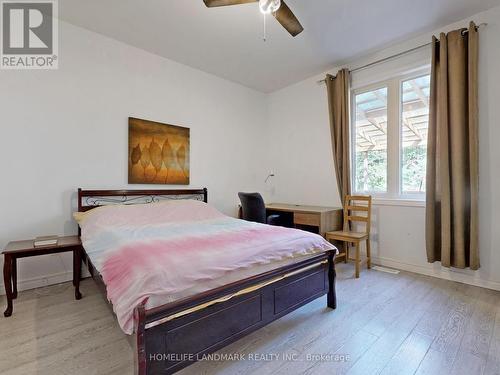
{"x":221,"y":3}
{"x":288,"y":20}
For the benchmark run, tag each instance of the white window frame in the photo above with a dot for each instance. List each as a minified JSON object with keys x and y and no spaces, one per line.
{"x":394,"y":137}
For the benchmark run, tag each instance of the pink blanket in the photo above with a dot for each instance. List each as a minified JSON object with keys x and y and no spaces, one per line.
{"x":146,"y":253}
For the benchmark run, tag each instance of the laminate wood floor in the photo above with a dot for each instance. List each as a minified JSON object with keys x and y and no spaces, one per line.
{"x":384,"y":324}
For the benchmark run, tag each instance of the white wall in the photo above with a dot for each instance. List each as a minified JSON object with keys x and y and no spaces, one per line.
{"x":67,"y":128}
{"x":300,"y":152}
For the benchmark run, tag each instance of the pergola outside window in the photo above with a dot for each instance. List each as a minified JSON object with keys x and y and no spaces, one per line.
{"x":389,"y":137}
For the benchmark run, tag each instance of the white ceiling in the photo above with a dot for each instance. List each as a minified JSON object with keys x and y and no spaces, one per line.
{"x":227,"y":41}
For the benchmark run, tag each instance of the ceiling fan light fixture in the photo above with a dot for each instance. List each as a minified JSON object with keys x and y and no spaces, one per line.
{"x":269,"y":6}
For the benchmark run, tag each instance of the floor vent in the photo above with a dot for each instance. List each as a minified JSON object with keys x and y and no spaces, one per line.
{"x":385,"y":269}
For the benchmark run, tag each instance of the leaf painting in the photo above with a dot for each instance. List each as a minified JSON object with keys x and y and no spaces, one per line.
{"x":167,"y":157}
{"x":155,"y":155}
{"x":161,"y":150}
{"x":145,"y":161}
{"x":181,"y":157}
{"x":136,"y":154}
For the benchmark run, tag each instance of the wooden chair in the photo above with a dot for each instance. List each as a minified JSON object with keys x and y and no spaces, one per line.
{"x":357,"y":208}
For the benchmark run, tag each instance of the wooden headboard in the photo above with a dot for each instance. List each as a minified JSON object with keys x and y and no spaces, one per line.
{"x":89,"y":199}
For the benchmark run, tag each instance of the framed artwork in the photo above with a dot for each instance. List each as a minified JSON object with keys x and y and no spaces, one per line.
{"x":157,"y":153}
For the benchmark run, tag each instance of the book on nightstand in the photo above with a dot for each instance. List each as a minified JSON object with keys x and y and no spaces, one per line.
{"x":45,"y":241}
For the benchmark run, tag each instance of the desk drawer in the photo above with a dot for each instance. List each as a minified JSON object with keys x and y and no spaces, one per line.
{"x":306,"y":219}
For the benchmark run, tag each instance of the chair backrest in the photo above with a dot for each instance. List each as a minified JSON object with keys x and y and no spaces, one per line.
{"x":252,"y":207}
{"x":358,"y":208}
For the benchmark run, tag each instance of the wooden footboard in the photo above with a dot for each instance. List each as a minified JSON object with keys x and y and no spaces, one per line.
{"x":164,"y":347}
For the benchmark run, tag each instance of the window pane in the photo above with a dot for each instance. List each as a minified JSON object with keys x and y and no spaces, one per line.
{"x":371,"y":141}
{"x":414,"y":125}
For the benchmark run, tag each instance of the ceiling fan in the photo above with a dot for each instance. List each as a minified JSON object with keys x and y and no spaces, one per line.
{"x":278,"y":8}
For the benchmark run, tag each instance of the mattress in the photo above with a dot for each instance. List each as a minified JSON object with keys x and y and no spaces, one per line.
{"x":154,"y":254}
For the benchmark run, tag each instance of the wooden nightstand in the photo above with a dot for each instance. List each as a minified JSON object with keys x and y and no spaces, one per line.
{"x":23,"y":249}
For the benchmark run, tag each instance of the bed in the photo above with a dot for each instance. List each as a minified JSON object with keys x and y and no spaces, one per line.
{"x":229,"y":298}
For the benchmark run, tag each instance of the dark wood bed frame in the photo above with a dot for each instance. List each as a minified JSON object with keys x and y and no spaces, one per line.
{"x":166,"y":347}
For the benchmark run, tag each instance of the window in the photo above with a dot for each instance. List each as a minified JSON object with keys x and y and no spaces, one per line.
{"x":414,"y":123}
{"x":371,"y":141}
{"x":389,"y":136}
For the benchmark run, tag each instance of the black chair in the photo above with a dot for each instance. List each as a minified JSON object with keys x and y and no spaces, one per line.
{"x":254,"y":209}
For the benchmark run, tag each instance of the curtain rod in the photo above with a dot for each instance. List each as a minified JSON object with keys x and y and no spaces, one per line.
{"x":320,"y":82}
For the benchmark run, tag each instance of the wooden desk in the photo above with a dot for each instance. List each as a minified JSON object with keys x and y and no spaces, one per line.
{"x":325,"y":219}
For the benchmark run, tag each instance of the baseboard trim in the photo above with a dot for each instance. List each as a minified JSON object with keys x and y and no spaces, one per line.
{"x":441,"y":272}
{"x":37,"y":282}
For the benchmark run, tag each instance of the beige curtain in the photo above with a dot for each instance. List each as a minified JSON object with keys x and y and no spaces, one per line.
{"x":452,"y":151}
{"x":338,"y":105}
